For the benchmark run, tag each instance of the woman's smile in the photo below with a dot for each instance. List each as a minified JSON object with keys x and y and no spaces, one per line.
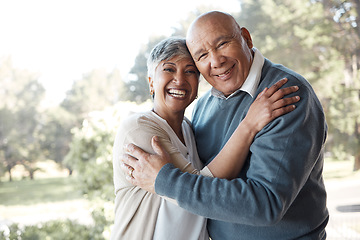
{"x":177,"y":93}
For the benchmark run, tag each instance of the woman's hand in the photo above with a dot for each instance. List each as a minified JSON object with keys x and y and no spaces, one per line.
{"x":270,"y":104}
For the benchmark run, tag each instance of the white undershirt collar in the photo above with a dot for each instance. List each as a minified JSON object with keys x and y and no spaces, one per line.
{"x":252,"y":81}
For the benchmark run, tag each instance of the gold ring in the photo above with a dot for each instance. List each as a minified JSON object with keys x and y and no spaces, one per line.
{"x":131,"y":172}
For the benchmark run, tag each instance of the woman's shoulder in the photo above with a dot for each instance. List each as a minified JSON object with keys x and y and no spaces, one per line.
{"x":138,"y":118}
{"x":142,"y":122}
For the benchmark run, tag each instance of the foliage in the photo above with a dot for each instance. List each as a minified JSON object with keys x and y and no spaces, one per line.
{"x":94,"y":92}
{"x":20,"y":121}
{"x":320,"y":40}
{"x":139,"y":86}
{"x":91,"y":157}
{"x":91,"y":149}
{"x":52,"y":230}
{"x":56,"y":137}
{"x":25,"y":192}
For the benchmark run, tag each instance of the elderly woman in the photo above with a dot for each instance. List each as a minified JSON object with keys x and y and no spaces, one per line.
{"x":173,"y":81}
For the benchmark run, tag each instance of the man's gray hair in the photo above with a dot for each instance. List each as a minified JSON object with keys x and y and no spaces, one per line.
{"x":165,"y":50}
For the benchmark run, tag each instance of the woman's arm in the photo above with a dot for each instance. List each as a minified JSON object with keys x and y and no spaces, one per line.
{"x":268,"y":105}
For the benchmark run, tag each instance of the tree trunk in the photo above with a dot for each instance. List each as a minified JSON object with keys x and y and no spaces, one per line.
{"x":70,"y":171}
{"x":10,"y":177}
{"x":357,"y":162}
{"x":31,"y":174}
{"x":357,"y":153}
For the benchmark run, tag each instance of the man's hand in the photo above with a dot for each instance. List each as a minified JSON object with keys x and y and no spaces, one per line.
{"x":141,"y":167}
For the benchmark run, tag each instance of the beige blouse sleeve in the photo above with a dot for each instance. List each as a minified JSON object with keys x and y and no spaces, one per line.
{"x":148,"y":128}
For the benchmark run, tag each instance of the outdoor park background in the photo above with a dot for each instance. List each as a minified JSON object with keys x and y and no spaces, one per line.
{"x":57,"y":124}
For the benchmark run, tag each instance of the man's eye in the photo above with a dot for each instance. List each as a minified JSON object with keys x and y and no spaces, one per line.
{"x":202,"y":56}
{"x":222,"y":44}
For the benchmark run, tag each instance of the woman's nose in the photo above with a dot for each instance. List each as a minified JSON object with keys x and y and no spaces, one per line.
{"x":179,"y":77}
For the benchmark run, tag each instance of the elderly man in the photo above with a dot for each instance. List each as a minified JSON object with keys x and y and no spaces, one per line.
{"x":280,"y":193}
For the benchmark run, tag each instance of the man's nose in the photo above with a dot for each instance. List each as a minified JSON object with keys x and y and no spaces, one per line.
{"x":216,"y":59}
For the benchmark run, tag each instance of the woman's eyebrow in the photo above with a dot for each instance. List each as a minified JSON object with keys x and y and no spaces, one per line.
{"x":171,"y":63}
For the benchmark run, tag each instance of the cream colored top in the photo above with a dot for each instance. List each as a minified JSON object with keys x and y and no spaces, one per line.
{"x":143,"y":215}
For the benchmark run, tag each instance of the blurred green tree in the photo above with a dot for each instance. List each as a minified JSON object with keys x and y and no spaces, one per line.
{"x":320,"y":40}
{"x":138,"y":84}
{"x":97,"y":90}
{"x":91,"y":157}
{"x":56,"y":134}
{"x":20,"y":125}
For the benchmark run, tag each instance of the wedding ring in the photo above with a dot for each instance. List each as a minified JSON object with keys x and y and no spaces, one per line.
{"x":131,"y":172}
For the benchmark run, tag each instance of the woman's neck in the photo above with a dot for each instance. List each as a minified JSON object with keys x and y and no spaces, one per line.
{"x":175,"y":122}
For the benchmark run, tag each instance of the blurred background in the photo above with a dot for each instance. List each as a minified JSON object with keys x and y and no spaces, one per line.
{"x":71,"y":70}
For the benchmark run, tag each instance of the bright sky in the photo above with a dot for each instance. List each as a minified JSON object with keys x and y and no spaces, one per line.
{"x":64,"y":39}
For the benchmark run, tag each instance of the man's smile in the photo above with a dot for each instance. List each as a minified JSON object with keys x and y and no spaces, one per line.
{"x":226,"y":73}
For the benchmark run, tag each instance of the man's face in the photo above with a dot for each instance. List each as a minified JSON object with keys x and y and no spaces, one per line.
{"x":222,"y":53}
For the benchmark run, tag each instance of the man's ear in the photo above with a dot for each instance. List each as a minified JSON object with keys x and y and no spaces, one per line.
{"x":246,"y":35}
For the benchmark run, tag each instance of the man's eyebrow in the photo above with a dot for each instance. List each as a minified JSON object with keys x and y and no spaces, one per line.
{"x":198,"y":52}
{"x":220,"y":38}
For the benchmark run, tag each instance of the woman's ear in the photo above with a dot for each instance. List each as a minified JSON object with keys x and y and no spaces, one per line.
{"x":151,"y":86}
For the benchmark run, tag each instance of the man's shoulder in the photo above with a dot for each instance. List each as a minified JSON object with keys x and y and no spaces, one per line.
{"x":275,"y":71}
{"x":205,"y":96}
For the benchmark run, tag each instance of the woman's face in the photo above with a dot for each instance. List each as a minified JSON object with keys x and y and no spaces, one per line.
{"x":175,"y":84}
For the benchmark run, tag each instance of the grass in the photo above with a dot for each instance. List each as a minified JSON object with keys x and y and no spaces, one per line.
{"x":52,"y":195}
{"x":33,"y":201}
{"x":337,"y":170}
{"x":28,"y":192}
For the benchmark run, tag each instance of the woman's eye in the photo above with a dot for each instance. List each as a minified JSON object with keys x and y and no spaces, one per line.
{"x":191,"y":71}
{"x":168,"y":70}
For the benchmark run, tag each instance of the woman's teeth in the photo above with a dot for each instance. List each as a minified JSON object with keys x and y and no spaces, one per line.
{"x":177,"y":93}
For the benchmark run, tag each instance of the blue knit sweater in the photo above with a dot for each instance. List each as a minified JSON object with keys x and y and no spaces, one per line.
{"x":280,"y":193}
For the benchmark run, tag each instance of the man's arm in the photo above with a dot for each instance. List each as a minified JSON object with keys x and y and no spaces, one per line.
{"x":284,"y":157}
{"x":268,"y":105}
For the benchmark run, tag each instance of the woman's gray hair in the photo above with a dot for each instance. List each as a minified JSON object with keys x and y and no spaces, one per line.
{"x":165,"y":50}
